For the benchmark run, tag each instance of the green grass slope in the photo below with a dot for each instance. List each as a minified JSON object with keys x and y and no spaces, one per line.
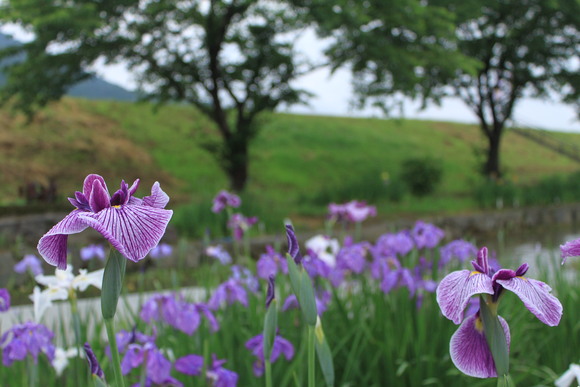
{"x":296,"y":161}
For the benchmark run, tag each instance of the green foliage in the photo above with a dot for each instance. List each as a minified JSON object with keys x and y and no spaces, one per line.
{"x":421,"y":175}
{"x":549,"y":190}
{"x":177,"y":48}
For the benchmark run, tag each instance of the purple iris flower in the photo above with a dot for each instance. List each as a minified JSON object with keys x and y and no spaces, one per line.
{"x":389,"y":245}
{"x":181,"y":315}
{"x":240,"y":224}
{"x":245,"y":276}
{"x":293,"y":246}
{"x":125,"y":338}
{"x":157,"y":366}
{"x":29,"y":263}
{"x":162,"y":250}
{"x":220,"y":376}
{"x":458,"y":249}
{"x":352,"y":256}
{"x":219,"y":253}
{"x":4,"y":300}
{"x":133,"y":226}
{"x":93,"y":251}
{"x":570,"y":249}
{"x":353,"y":211}
{"x":393,"y":275}
{"x":271,"y":263}
{"x":225,"y":199}
{"x":228,"y":292}
{"x":281,"y":346}
{"x":189,"y":365}
{"x":314,"y":266}
{"x":27,"y":338}
{"x":469,"y":350}
{"x":426,"y":235}
{"x":93,"y":362}
{"x":322,"y":299}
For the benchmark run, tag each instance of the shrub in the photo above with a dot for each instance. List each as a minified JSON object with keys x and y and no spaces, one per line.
{"x":421,"y":175}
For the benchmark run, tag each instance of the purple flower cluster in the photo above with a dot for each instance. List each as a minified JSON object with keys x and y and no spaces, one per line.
{"x":29,"y":263}
{"x":216,"y":374}
{"x":241,"y":224}
{"x":353,"y":211}
{"x":218,"y":252}
{"x":176,"y":312}
{"x":4,"y":300}
{"x":162,"y":250}
{"x":93,"y":251}
{"x":426,"y":235}
{"x":26,"y":339}
{"x":281,"y":346}
{"x":459,"y":249}
{"x":270,"y":263}
{"x":225,"y":199}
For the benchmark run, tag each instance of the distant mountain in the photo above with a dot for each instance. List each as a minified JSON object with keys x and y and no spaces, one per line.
{"x":93,"y":88}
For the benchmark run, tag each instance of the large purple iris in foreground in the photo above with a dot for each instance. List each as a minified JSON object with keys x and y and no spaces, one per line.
{"x":469,"y":348}
{"x":133,"y":226}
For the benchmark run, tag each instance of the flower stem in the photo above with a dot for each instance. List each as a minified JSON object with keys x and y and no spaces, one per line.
{"x":110,"y":325}
{"x":311,"y":364}
{"x":77,"y":331}
{"x":268,"y":372}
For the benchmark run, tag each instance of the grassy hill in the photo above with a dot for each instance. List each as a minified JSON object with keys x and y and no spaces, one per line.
{"x":296,"y":162}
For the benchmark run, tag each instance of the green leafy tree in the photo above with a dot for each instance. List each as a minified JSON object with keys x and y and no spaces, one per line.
{"x":488,"y":53}
{"x":232,"y":59}
{"x":526,"y":48}
{"x":395,"y":48}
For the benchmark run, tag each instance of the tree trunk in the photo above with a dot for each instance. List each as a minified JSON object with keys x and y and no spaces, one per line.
{"x":236,"y":162}
{"x":492,"y":165}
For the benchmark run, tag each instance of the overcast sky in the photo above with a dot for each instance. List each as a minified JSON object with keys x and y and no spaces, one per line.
{"x":333,"y":94}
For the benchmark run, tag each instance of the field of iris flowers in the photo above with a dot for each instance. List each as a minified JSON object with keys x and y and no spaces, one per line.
{"x":410,"y":308}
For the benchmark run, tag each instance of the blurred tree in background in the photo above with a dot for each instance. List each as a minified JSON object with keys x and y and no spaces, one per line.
{"x":489,"y":54}
{"x":231,"y":59}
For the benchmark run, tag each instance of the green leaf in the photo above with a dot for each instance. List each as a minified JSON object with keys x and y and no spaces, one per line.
{"x":112,"y":283}
{"x":324,"y":354}
{"x":270,"y":324}
{"x":495,"y":337}
{"x":294,"y":274}
{"x":306,"y":299}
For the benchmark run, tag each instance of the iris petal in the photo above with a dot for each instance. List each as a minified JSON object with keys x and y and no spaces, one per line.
{"x":88,"y":185}
{"x":455,"y":290}
{"x":536,"y":297}
{"x":158,"y":198}
{"x":570,"y":249}
{"x":99,"y":198}
{"x":132,"y":230}
{"x":469,"y":349}
{"x":52,"y":246}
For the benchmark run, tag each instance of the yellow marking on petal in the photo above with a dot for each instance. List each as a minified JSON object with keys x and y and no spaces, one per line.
{"x":479,"y":325}
{"x":117,"y":206}
{"x":474,"y":273}
{"x":524,"y":278}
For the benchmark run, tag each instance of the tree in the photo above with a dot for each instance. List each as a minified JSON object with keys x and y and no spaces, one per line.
{"x":510,"y":48}
{"x":525,"y":48}
{"x":395,"y":48}
{"x":231,"y":59}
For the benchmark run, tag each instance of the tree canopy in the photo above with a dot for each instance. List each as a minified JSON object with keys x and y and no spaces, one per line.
{"x":231,"y":59}
{"x":488,"y":53}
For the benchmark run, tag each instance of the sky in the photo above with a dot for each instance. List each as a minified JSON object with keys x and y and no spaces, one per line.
{"x":333,"y":93}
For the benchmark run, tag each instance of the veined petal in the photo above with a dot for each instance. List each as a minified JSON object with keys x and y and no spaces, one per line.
{"x":469,"y":349}
{"x":88,"y":185}
{"x":52,"y":246}
{"x":536,"y":297}
{"x":99,"y":198}
{"x":455,"y":290}
{"x":158,"y":197}
{"x":132,"y":230}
